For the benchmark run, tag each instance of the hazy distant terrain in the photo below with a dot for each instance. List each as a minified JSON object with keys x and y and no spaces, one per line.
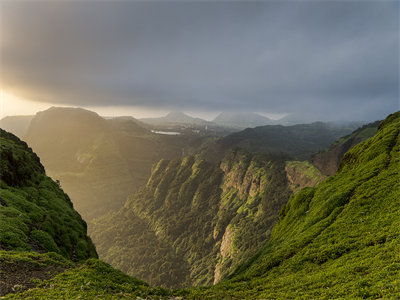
{"x":242,"y":120}
{"x":98,"y":162}
{"x":17,"y":125}
{"x":113,"y":157}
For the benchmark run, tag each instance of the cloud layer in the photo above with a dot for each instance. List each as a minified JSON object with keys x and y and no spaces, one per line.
{"x":328,"y":60}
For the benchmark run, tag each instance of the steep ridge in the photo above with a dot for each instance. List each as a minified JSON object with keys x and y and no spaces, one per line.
{"x":195,"y":219}
{"x":337,"y":240}
{"x":328,"y":160}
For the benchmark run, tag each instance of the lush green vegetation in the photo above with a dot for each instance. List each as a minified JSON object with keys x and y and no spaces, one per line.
{"x":337,"y":240}
{"x":35,"y":214}
{"x":195,"y":221}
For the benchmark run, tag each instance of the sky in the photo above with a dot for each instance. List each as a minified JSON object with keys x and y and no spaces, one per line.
{"x":321,"y":60}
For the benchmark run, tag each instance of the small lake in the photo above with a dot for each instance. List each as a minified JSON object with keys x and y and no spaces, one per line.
{"x":166,"y":132}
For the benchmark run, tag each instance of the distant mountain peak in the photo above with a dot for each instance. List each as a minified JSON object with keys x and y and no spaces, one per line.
{"x":175,"y":114}
{"x":175,"y":117}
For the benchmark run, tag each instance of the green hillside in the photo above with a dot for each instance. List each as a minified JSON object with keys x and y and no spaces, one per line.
{"x":195,"y":221}
{"x":337,"y":240}
{"x":35,"y":214}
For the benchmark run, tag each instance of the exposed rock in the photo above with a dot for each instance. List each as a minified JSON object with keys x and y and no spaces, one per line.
{"x":226,"y":243}
{"x":302,"y":174}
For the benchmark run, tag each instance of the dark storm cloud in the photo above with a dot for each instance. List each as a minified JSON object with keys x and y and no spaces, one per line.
{"x":337,"y":60}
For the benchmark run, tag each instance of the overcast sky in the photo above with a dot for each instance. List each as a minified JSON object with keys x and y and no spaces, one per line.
{"x":334,"y":60}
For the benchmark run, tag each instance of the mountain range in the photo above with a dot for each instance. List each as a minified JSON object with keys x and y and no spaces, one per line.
{"x":99,"y":162}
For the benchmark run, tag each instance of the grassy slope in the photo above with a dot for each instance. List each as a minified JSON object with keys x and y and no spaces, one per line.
{"x":338,"y":240}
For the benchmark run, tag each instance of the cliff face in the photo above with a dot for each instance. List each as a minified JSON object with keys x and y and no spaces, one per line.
{"x":208,"y":218}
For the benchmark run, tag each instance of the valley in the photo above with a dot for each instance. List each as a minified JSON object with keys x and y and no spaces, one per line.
{"x":260,"y":239}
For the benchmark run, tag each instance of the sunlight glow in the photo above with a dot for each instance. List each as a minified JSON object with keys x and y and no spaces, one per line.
{"x":11,"y":105}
